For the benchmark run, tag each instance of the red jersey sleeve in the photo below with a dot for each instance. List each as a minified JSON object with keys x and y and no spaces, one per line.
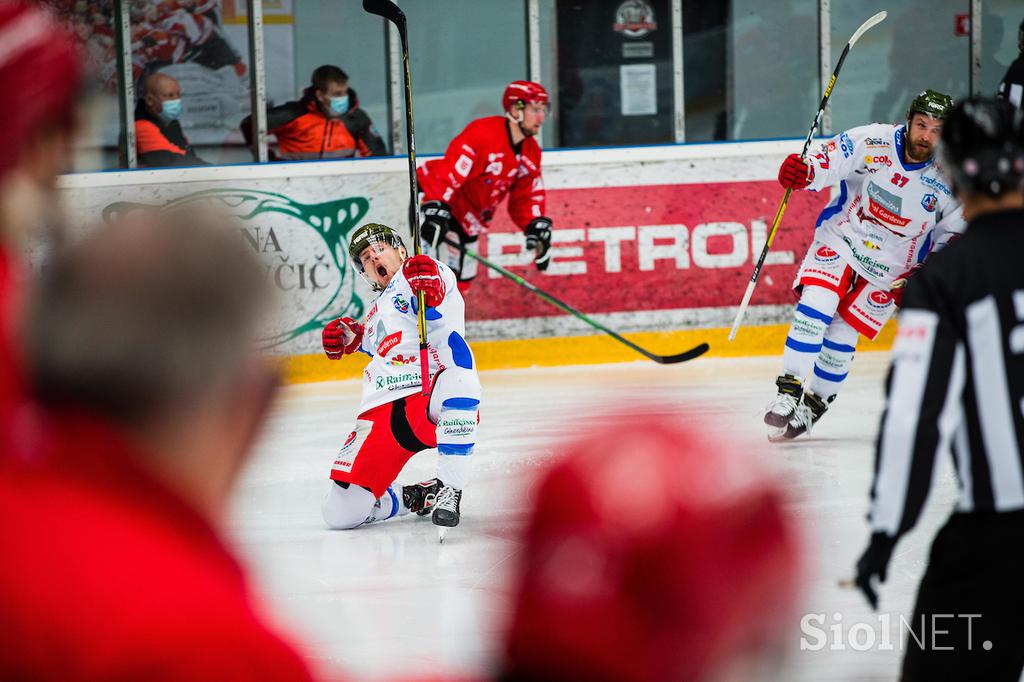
{"x":527,"y":196}
{"x":440,"y":178}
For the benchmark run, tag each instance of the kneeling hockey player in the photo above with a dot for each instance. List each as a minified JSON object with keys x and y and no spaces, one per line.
{"x":395,"y":420}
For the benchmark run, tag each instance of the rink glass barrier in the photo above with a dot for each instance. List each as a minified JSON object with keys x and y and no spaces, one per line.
{"x":619,"y":72}
{"x":658,"y":242}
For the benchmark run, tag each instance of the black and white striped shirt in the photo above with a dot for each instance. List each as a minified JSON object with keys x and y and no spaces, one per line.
{"x":957,"y":379}
{"x":1011,"y":88}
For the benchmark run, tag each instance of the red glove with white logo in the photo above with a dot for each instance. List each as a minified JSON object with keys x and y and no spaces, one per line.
{"x":424,"y":275}
{"x":795,"y":173}
{"x":342,"y":337}
{"x":899,"y":285}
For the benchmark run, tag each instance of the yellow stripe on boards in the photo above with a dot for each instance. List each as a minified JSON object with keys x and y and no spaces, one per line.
{"x":582,"y":350}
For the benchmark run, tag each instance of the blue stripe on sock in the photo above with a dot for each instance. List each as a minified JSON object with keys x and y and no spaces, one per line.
{"x":461,"y":403}
{"x":829,"y":376}
{"x":801,"y":346}
{"x":394,"y":503}
{"x":813,"y":314}
{"x":841,"y":347}
{"x":455,"y":449}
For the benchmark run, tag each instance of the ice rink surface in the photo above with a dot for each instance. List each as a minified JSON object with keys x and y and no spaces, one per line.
{"x":386,"y":600}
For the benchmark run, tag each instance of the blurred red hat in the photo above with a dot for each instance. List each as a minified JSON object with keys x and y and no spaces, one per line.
{"x":41,"y":76}
{"x":651,"y":554}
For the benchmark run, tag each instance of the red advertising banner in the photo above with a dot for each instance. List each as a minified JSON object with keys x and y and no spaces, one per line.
{"x":654,"y":247}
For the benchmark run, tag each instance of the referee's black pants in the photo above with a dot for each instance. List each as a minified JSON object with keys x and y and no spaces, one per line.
{"x":968,"y":622}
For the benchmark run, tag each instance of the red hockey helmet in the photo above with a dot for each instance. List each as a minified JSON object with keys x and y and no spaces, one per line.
{"x":40,"y":65}
{"x":652,"y":553}
{"x":519,"y":93}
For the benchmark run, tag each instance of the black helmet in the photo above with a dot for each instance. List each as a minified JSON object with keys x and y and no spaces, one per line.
{"x":932,"y":103}
{"x":371,"y":233}
{"x":982,"y":146}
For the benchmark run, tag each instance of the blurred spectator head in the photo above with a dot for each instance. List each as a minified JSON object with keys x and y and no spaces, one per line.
{"x":652,"y":553}
{"x":41,"y":67}
{"x":151,"y":323}
{"x":330,"y":87}
{"x":162,"y":95}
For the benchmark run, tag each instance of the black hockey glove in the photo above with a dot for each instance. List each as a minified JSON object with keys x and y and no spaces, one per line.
{"x":874,"y":563}
{"x":437,"y":221}
{"x":538,"y":240}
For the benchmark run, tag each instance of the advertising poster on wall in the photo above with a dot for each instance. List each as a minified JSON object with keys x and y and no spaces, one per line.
{"x":201,"y":43}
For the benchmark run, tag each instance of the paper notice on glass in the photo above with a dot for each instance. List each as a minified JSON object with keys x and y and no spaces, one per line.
{"x":638,"y":90}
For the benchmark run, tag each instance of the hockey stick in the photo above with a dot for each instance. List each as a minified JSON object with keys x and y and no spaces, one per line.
{"x":391,"y":12}
{"x":807,"y":143}
{"x":694,"y":352}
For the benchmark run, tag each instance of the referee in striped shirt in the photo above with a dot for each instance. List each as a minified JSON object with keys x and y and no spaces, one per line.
{"x":957,"y":383}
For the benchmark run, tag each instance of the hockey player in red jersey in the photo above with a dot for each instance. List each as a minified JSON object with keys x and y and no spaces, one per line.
{"x":493,"y":157}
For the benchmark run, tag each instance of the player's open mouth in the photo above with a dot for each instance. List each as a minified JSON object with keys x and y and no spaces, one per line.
{"x":382,"y":271}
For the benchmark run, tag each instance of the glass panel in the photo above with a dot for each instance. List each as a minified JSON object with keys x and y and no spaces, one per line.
{"x":743,"y":81}
{"x":920,"y":45}
{"x":96,"y":147}
{"x":614,"y":72}
{"x":462,"y":59}
{"x":1000,"y":26}
{"x":774,"y":89}
{"x":199,"y":48}
{"x":329,"y":33}
{"x":704,"y":69}
{"x":549,"y":70}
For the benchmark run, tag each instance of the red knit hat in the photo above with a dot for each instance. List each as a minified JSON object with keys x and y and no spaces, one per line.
{"x":652,"y":554}
{"x":41,"y":72}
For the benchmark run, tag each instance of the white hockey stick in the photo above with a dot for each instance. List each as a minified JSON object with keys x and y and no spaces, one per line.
{"x":807,"y":143}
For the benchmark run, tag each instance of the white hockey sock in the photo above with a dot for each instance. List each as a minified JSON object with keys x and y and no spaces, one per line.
{"x":811,"y":318}
{"x":456,"y":438}
{"x":389,"y":505}
{"x":833,"y":363}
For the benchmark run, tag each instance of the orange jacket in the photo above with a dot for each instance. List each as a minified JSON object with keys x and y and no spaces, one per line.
{"x":304,"y":132}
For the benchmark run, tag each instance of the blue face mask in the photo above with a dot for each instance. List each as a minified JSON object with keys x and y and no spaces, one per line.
{"x":339,"y":105}
{"x":171,"y":110}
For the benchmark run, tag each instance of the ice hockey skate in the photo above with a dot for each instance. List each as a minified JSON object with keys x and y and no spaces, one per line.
{"x":419,"y":497}
{"x":446,"y":510}
{"x":806,"y":415}
{"x":781,"y":409}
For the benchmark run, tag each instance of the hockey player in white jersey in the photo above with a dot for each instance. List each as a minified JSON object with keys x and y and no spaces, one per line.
{"x":893,"y":207}
{"x":395,"y":420}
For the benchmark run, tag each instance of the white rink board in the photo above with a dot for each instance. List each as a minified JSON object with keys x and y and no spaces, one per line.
{"x":298,"y":216}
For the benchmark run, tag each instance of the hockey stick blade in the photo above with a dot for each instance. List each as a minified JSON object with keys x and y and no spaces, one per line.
{"x":877,"y":19}
{"x":386,"y":9}
{"x":694,"y":352}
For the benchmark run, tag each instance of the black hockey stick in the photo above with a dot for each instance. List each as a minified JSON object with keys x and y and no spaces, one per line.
{"x":807,"y":143}
{"x":391,"y":12}
{"x":694,"y":352}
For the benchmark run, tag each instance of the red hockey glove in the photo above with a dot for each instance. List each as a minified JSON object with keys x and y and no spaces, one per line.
{"x":342,"y":337}
{"x":424,"y":275}
{"x":899,"y":285}
{"x":538,"y":240}
{"x":795,"y":173}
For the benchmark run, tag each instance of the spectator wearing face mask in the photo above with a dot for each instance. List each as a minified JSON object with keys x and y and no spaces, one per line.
{"x":159,"y":139}
{"x":326,"y":123}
